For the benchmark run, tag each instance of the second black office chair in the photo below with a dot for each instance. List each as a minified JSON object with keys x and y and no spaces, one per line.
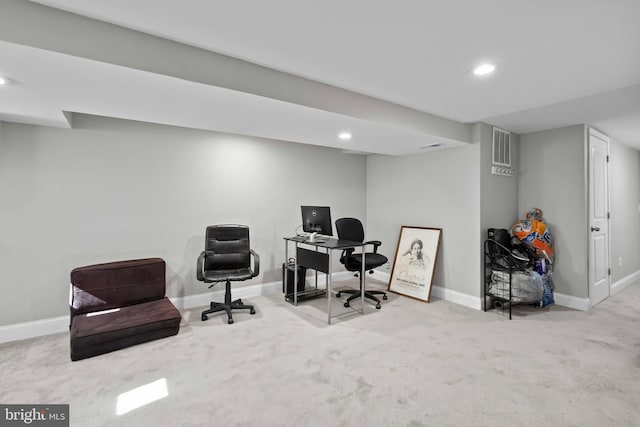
{"x":351,"y":229}
{"x":227,"y":258}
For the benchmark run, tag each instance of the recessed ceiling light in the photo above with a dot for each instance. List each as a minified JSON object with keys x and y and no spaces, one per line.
{"x":4,"y":81}
{"x":484,"y":69}
{"x":345,"y":136}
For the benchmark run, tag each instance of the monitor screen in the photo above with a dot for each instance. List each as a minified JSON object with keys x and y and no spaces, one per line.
{"x":317,"y":219}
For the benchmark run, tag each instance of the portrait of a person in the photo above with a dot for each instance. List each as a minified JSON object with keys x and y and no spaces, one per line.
{"x":414,"y":261}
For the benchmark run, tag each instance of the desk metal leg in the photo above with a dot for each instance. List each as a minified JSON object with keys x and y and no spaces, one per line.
{"x":329,"y":280}
{"x":286,"y":268}
{"x":363,"y":277}
{"x":295,"y":278}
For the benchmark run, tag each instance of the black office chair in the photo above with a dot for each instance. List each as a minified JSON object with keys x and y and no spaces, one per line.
{"x":226,"y":258}
{"x":351,"y":229}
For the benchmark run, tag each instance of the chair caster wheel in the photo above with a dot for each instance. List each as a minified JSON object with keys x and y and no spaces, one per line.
{"x":204,"y":317}
{"x":346,"y":304}
{"x":338,"y":295}
{"x":378,"y":306}
{"x":384,"y":297}
{"x":252,"y":311}
{"x":230,"y":321}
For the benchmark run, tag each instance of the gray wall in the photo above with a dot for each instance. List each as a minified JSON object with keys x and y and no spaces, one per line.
{"x":113,"y":189}
{"x":435,"y":189}
{"x":499,"y":201}
{"x":624,"y":172}
{"x":499,"y":194}
{"x":552,"y":178}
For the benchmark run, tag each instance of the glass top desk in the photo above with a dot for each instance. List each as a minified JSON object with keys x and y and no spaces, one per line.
{"x":320,"y":259}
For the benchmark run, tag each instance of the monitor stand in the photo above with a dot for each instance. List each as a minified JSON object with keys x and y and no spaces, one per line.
{"x":315,"y":238}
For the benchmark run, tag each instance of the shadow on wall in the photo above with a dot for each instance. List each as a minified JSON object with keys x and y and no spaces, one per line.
{"x":272,"y":273}
{"x":183,"y":282}
{"x":439,"y":275}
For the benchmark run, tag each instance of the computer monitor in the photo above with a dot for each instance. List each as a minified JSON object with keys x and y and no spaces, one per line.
{"x":317,"y":219}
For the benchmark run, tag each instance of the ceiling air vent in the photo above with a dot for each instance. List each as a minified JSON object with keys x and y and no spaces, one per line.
{"x":501,"y":154}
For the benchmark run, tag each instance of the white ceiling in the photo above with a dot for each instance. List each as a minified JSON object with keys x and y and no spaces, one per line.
{"x":560,"y":63}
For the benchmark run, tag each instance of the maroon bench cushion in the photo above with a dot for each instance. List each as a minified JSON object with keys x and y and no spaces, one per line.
{"x":98,"y":333}
{"x":119,"y":304}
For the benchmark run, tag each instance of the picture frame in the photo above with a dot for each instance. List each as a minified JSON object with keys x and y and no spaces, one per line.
{"x":415,"y":261}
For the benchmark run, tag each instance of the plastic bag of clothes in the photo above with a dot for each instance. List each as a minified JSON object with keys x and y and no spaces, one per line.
{"x":526,"y":286}
{"x":533,"y":232}
{"x":547,"y":293}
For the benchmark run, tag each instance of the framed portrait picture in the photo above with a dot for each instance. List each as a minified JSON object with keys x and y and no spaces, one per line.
{"x":415,"y":261}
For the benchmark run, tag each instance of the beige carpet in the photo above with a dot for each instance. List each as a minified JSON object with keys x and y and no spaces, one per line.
{"x":409,"y":364}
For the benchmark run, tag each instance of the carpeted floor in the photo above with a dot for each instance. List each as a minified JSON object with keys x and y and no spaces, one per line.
{"x":408,"y":364}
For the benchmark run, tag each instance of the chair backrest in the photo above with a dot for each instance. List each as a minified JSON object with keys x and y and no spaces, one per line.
{"x":350,"y":229}
{"x":227,"y":247}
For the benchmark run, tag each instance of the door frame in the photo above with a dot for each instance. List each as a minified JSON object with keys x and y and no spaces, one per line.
{"x":590,"y":131}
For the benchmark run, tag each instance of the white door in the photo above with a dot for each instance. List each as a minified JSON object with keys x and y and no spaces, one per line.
{"x":598,"y":217}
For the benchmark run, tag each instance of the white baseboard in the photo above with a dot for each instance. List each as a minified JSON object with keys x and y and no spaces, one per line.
{"x":625,"y":282}
{"x":381,"y":275}
{"x":441,"y":293}
{"x":457,"y":297}
{"x":569,"y":301}
{"x":37,"y":328}
{"x":584,"y":304}
{"x":200,"y":300}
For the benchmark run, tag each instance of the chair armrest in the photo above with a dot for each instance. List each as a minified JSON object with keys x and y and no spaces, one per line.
{"x":200,"y":267}
{"x":375,"y":243}
{"x":256,"y":263}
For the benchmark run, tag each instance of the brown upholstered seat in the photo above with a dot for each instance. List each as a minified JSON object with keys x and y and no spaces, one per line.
{"x":119,"y":304}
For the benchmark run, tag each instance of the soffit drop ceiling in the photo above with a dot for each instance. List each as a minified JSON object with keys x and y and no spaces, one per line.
{"x":401,"y":70}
